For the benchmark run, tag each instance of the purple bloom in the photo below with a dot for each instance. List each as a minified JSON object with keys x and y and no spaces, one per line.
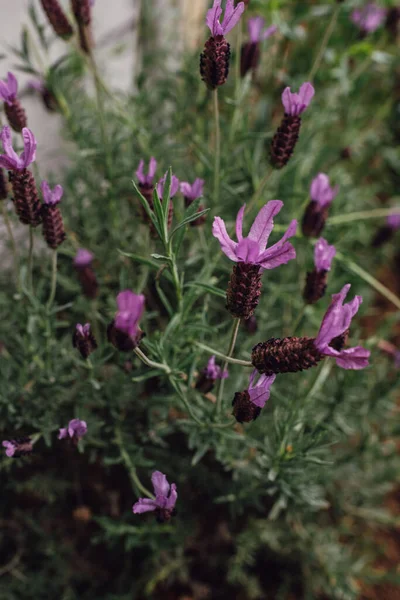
{"x":147,"y":180}
{"x":231,"y":17}
{"x":255,"y":26}
{"x":393,"y":220}
{"x":251,"y":249}
{"x":321,"y":191}
{"x":10,"y":160}
{"x":194,"y":191}
{"x":368,"y":18}
{"x":83,"y":258}
{"x":130,"y":310}
{"x":37,"y":84}
{"x":9,"y":89}
{"x":259,"y":392}
{"x":164,"y":503}
{"x":295,"y":104}
{"x":213,"y":371}
{"x":335,"y":323}
{"x":76,"y":429}
{"x":174,"y":186}
{"x":323,"y":255}
{"x":10,"y":448}
{"x":18,"y":447}
{"x":51,"y":197}
{"x":83,"y":330}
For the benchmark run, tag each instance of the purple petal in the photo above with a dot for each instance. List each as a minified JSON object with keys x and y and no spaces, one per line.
{"x":7,"y":163}
{"x":173,"y":497}
{"x":337,"y":318}
{"x":11,"y":156}
{"x":255,"y":25}
{"x":10,"y":448}
{"x":83,"y":258}
{"x":29,"y":153}
{"x":140,"y":173}
{"x":306,"y":94}
{"x":239,"y":223}
{"x":369,"y":17}
{"x":152,"y":167}
{"x":269,"y":31}
{"x":295,"y":104}
{"x":12,"y":84}
{"x":350,"y":358}
{"x":232,"y":16}
{"x":260,"y":392}
{"x":323,"y":255}
{"x":212,"y":19}
{"x":51,"y":197}
{"x":264,"y":223}
{"x":394,"y":220}
{"x":144,"y":505}
{"x":63,"y":433}
{"x":79,"y":329}
{"x":228,"y":246}
{"x":281,"y":252}
{"x":77,"y":428}
{"x":321,"y":190}
{"x":160,"y":484}
{"x":248,"y":251}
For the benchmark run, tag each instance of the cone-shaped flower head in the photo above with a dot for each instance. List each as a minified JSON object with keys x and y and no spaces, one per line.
{"x":321,"y":191}
{"x":130,"y":310}
{"x":10,"y":160}
{"x":369,"y":17}
{"x":335,"y":323}
{"x":83,"y":258}
{"x":9,"y":89}
{"x":51,"y":197}
{"x":259,"y":391}
{"x":257,"y":33}
{"x":251,"y":249}
{"x":393,"y":220}
{"x":192,"y":191}
{"x":231,"y":17}
{"x":323,"y":255}
{"x":75,"y":430}
{"x":146,"y":180}
{"x":164,"y":503}
{"x":18,"y":447}
{"x":295,"y":104}
{"x":213,"y":371}
{"x":161,"y":185}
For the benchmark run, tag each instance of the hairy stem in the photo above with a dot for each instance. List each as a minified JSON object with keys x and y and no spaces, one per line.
{"x":235,"y":330}
{"x":227,"y":359}
{"x":151,"y":363}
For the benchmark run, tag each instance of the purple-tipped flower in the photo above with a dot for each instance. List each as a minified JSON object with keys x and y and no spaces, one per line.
{"x":51,"y":197}
{"x":83,"y":258}
{"x":285,"y":139}
{"x":9,"y":89}
{"x":247,"y":405}
{"x":257,"y":33}
{"x":124,"y":332}
{"x":53,"y":226}
{"x":369,"y":17}
{"x":12,"y":107}
{"x":147,"y":180}
{"x":210,"y":374}
{"x":84,"y":340}
{"x":387,"y":231}
{"x":316,"y":280}
{"x":18,"y":447}
{"x":250,"y":52}
{"x":161,"y":185}
{"x":10,"y":159}
{"x":86,"y":275}
{"x":75,"y":430}
{"x":191,"y":192}
{"x":322,"y":194}
{"x":231,"y":17}
{"x":251,"y":256}
{"x":393,"y":220}
{"x":164,"y":503}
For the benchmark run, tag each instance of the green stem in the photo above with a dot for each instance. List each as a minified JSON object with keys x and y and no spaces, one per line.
{"x":130,"y":466}
{"x":257,"y":194}
{"x":227,"y":359}
{"x":53,"y":279}
{"x":12,"y":241}
{"x":235,"y":330}
{"x":217,"y":146}
{"x":177,"y":283}
{"x":358,"y":216}
{"x":299,"y":319}
{"x":151,"y":363}
{"x":239,"y":40}
{"x":320,"y":380}
{"x":177,"y":387}
{"x":30,"y":259}
{"x":324,"y":43}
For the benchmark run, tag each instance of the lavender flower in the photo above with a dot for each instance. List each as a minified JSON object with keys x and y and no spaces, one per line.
{"x":12,"y":107}
{"x":75,"y":430}
{"x":255,"y":26}
{"x":251,"y":256}
{"x":369,"y":17}
{"x":124,"y":332}
{"x":210,"y":374}
{"x":146,"y":180}
{"x":315,"y":216}
{"x":10,"y":160}
{"x":51,"y":197}
{"x":393,"y":220}
{"x":161,"y":185}
{"x":164,"y":503}
{"x":57,"y":18}
{"x":231,"y":17}
{"x":53,"y":226}
{"x":285,"y":139}
{"x":192,"y":192}
{"x":247,"y":405}
{"x":84,"y":340}
{"x":86,"y":275}
{"x":317,"y":279}
{"x":250,"y":52}
{"x":323,"y":255}
{"x":9,"y":89}
{"x":18,"y":447}
{"x":83,"y":258}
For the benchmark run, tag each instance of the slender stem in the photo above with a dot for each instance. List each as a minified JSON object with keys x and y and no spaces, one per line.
{"x":299,"y":319}
{"x":14,"y":249}
{"x":258,"y":193}
{"x":324,"y":43}
{"x":130,"y":466}
{"x":358,"y":216}
{"x":177,"y":283}
{"x":227,"y":359}
{"x":235,"y":330}
{"x":178,"y":388}
{"x":151,"y":363}
{"x":30,"y":259}
{"x":217,"y":146}
{"x":53,"y":279}
{"x":320,"y":380}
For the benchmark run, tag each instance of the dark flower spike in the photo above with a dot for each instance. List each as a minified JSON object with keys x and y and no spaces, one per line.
{"x":322,"y":194}
{"x":84,"y":340}
{"x":57,"y":18}
{"x":316,"y":280}
{"x":247,"y":405}
{"x":26,"y":198}
{"x":210,"y":374}
{"x":250,"y":53}
{"x":292,"y":354}
{"x":252,"y":257}
{"x":192,"y":192}
{"x":12,"y":107}
{"x":385,"y":233}
{"x":214,"y":61}
{"x":75,"y":430}
{"x":82,"y":11}
{"x":164,"y":503}
{"x":53,"y":226}
{"x":285,"y":139}
{"x":369,"y":17}
{"x":18,"y":447}
{"x":124,"y":332}
{"x":3,"y":185}
{"x":86,"y":275}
